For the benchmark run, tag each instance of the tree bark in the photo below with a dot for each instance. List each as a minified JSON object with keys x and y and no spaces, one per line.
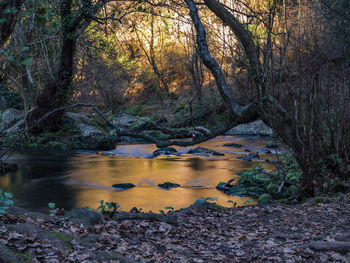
{"x":9,"y":9}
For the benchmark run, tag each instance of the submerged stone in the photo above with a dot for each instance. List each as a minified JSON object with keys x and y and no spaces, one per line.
{"x":254,"y":155}
{"x":168,"y":185}
{"x":165,"y":151}
{"x":244,"y":158}
{"x":124,"y":186}
{"x":236,"y":145}
{"x":201,"y":150}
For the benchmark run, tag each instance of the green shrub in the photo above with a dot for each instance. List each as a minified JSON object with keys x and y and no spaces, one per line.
{"x":5,"y":201}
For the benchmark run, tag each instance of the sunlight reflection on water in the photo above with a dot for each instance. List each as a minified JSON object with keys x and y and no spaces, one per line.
{"x":82,"y":179}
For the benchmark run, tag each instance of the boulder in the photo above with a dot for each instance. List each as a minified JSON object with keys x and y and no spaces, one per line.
{"x":254,"y":128}
{"x":72,"y":118}
{"x":10,"y":117}
{"x":124,"y":120}
{"x":95,"y":137}
{"x":123,"y":186}
{"x":92,"y":136}
{"x":201,"y":150}
{"x":168,"y":185}
{"x":6,"y":255}
{"x":203,"y":130}
{"x":84,"y":215}
{"x":16,"y":128}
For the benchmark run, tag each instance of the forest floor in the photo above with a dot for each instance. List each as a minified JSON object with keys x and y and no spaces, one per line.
{"x":203,"y":233}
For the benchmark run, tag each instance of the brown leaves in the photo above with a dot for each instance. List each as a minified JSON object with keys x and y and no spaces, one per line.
{"x":211,"y":234}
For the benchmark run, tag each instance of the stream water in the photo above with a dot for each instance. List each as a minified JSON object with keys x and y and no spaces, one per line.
{"x":83,"y":178}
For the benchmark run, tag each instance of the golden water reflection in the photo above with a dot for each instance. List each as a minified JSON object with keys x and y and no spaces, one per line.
{"x":84,"y":179}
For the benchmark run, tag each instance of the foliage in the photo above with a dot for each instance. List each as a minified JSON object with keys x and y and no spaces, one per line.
{"x":9,"y":98}
{"x":5,"y":201}
{"x":262,"y":184}
{"x":107,"y":207}
{"x":206,"y":199}
{"x":52,"y":207}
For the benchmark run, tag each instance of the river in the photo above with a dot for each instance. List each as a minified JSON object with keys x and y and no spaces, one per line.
{"x":82,"y":178}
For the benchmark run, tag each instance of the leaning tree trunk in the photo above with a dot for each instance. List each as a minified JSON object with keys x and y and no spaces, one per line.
{"x":267,"y":107}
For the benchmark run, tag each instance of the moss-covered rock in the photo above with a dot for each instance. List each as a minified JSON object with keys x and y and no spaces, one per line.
{"x":202,"y":150}
{"x":235,"y":145}
{"x":264,"y":199}
{"x":165,"y":151}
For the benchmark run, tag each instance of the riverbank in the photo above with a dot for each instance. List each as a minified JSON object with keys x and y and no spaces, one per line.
{"x":313,"y":232}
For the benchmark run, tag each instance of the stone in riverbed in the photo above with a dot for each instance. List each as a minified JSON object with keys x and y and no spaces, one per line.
{"x":244,"y":158}
{"x":254,"y":155}
{"x":165,"y":151}
{"x":201,"y":150}
{"x":124,"y":186}
{"x":168,"y":185}
{"x":235,"y":145}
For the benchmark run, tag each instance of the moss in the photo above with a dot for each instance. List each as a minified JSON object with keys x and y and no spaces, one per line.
{"x":320,"y":199}
{"x":283,"y":201}
{"x":25,"y":255}
{"x":67,"y":238}
{"x":220,"y":208}
{"x":264,"y":199}
{"x":337,"y":187}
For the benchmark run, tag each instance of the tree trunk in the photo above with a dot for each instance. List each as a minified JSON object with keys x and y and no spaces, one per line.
{"x":267,"y":107}
{"x":9,"y":9}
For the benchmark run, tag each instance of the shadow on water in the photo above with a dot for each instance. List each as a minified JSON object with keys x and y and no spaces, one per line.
{"x":84,"y":178}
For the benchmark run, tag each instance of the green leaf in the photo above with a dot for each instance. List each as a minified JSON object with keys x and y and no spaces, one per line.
{"x":26,"y":62}
{"x":25,"y":49}
{"x":51,"y":205}
{"x":8,"y":195}
{"x":169,"y":207}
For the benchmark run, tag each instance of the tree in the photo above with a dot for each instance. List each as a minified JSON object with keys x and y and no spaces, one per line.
{"x":299,"y":136}
{"x":74,"y":17}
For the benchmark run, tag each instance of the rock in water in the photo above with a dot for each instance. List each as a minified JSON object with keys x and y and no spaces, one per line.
{"x":124,"y":186}
{"x":168,"y":185}
{"x":201,"y":150}
{"x":165,"y":151}
{"x":236,"y":145}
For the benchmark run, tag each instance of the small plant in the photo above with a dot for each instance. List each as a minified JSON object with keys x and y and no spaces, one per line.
{"x":234,"y":204}
{"x":5,"y":201}
{"x":169,"y":208}
{"x":52,"y":207}
{"x":201,"y":200}
{"x":109,"y":208}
